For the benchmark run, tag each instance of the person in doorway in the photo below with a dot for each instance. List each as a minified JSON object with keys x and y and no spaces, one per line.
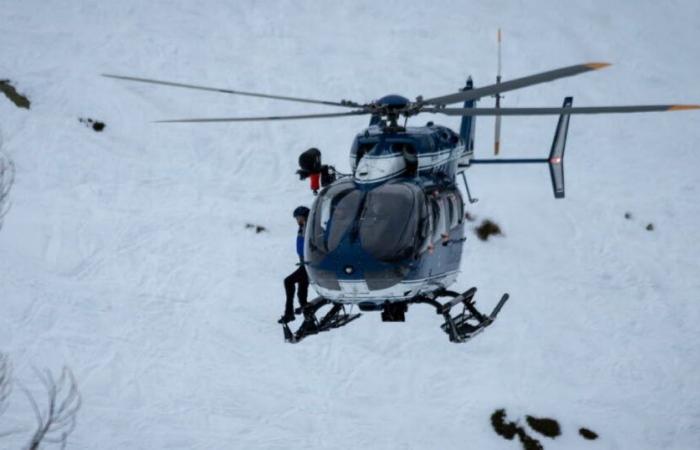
{"x":299,"y":276}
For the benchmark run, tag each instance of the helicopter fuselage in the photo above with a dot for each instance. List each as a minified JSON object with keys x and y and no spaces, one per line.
{"x":395,"y":229}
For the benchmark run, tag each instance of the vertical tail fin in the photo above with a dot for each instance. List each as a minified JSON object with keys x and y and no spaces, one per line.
{"x":556,"y":154}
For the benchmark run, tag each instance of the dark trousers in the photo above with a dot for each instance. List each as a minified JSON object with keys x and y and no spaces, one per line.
{"x":298,"y":276}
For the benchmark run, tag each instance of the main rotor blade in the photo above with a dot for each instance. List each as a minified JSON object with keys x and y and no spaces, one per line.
{"x":517,"y":83}
{"x":344,"y":103}
{"x":255,"y":119}
{"x":556,"y":111}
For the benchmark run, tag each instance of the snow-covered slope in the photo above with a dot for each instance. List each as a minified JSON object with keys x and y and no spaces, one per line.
{"x":125,"y":255}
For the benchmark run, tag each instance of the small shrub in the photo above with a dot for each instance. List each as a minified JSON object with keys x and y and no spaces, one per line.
{"x":506,"y":429}
{"x":258,"y":228}
{"x":94,"y":124}
{"x":545,"y":426}
{"x":486,"y":229}
{"x":15,"y":97}
{"x":588,"y":434}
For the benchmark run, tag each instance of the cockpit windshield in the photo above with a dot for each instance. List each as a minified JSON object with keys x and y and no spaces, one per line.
{"x":390,"y":221}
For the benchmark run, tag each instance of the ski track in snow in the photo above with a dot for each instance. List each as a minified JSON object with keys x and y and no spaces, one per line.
{"x":125,"y":255}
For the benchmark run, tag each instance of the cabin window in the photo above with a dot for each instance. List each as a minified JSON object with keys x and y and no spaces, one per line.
{"x":447,"y":212}
{"x":441,"y":219}
{"x":456,"y":209}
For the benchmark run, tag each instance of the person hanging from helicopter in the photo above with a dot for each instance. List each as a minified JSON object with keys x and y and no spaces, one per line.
{"x":299,"y":276}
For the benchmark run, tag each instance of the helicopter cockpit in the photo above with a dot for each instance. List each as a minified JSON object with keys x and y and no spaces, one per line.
{"x":381,"y":231}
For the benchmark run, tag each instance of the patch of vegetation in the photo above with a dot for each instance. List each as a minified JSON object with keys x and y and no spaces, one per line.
{"x":650,"y":227}
{"x":486,"y":229}
{"x":257,"y":228}
{"x":628,"y":215}
{"x":15,"y":97}
{"x":506,"y":429}
{"x":94,"y":124}
{"x":542,"y":425}
{"x":529,"y":443}
{"x":588,"y":434}
{"x":509,"y":430}
{"x":545,"y":426}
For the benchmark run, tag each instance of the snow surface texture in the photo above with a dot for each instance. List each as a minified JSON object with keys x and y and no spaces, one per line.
{"x":125,"y":255}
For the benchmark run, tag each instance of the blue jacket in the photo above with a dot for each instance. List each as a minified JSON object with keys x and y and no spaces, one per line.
{"x":300,"y":243}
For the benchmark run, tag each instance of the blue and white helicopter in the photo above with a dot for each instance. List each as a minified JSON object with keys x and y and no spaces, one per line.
{"x":391,"y":233}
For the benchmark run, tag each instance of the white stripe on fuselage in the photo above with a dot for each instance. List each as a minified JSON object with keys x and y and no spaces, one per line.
{"x":375,"y":169}
{"x":355,"y":291}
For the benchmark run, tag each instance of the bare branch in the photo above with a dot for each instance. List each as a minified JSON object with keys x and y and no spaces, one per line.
{"x":6,"y":391}
{"x":5,"y":382}
{"x":61,"y":412}
{"x":7,"y":179}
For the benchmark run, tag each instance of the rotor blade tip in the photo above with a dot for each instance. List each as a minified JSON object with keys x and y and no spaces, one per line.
{"x":683,"y":107}
{"x":597,"y":65}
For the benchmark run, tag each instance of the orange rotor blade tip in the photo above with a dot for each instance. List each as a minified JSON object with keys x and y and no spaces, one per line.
{"x":683,"y":107}
{"x":597,"y":65}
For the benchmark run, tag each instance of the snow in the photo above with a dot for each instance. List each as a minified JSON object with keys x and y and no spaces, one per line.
{"x":125,"y":255}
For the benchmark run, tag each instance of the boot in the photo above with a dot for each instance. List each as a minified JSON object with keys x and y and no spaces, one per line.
{"x":286,"y":318}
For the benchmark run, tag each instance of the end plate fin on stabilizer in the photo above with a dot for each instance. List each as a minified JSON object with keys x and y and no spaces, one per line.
{"x":556,"y":154}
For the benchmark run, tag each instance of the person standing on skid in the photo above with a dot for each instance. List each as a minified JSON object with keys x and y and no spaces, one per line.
{"x":299,"y":276}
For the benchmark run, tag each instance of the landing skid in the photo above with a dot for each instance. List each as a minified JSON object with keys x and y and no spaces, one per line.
{"x":335,"y":318}
{"x":470,"y":321}
{"x":459,"y":328}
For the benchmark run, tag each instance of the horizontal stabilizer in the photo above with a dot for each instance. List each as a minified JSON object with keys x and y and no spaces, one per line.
{"x":556,"y":154}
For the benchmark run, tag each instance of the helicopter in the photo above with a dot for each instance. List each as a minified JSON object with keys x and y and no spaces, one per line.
{"x":391,"y":233}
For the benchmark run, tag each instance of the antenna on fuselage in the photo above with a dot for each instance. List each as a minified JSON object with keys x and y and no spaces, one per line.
{"x":497,"y":133}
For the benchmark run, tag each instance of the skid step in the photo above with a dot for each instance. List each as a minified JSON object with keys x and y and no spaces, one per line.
{"x":336,"y":317}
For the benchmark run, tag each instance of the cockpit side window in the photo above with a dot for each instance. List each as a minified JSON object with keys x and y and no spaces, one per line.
{"x":323,"y":211}
{"x":363,"y":149}
{"x":410,"y":156}
{"x":344,"y":214}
